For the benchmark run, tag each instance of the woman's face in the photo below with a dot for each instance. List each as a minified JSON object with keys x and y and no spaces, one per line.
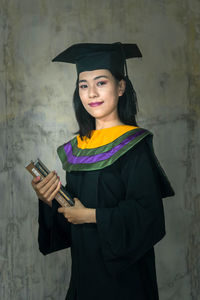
{"x":99,"y":93}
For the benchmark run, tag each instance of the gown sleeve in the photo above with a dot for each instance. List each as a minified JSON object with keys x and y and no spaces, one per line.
{"x":127,"y":232}
{"x":54,"y":229}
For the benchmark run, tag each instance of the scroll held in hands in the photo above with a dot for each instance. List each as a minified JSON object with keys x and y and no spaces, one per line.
{"x":37,"y":168}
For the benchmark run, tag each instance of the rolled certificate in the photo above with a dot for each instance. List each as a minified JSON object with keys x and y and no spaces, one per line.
{"x":37,"y":168}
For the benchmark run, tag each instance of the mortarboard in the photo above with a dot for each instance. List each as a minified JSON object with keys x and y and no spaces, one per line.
{"x":93,"y":56}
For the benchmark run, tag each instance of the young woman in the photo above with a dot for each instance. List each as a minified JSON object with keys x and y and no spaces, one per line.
{"x":115,"y":179}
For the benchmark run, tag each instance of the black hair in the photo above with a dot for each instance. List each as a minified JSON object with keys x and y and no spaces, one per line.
{"x":127,"y":108}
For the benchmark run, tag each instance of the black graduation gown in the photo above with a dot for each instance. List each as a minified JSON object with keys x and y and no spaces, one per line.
{"x":114,"y":258}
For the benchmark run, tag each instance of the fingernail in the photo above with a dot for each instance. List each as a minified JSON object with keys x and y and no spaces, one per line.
{"x":60,"y":183}
{"x":58,"y":177}
{"x":38,"y":177}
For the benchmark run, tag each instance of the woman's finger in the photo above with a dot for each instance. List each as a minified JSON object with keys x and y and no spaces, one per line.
{"x":62,"y":210}
{"x":47,"y":179}
{"x":35,"y":181}
{"x":43,"y":188}
{"x":51,"y":189}
{"x":78,"y":203}
{"x":52,"y":196}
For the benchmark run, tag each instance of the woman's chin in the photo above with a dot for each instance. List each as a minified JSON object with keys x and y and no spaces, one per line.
{"x":96,"y":114}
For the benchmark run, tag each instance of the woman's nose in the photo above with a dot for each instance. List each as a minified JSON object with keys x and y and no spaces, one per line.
{"x":92,"y":92}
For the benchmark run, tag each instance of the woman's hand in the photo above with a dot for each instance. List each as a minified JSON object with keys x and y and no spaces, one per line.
{"x":78,"y":214}
{"x":47,"y":189}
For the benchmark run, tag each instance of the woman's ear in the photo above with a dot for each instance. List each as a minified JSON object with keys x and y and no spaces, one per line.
{"x":122,"y":87}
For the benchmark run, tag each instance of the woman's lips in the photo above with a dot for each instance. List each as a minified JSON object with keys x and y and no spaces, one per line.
{"x":94,"y":104}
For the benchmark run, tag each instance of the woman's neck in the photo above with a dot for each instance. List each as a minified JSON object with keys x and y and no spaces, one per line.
{"x":101,"y":124}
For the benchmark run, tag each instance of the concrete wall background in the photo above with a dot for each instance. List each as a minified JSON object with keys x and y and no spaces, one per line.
{"x":36,"y":116}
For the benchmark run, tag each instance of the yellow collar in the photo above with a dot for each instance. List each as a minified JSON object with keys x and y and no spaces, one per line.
{"x":102,"y":137}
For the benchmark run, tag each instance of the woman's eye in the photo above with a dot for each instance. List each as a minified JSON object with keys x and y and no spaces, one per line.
{"x":100,"y":83}
{"x":83,"y":86}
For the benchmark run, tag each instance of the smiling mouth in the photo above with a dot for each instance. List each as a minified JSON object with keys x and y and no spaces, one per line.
{"x":94,"y":104}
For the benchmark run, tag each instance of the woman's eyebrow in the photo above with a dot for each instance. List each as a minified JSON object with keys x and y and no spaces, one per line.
{"x":104,"y":76}
{"x":95,"y":78}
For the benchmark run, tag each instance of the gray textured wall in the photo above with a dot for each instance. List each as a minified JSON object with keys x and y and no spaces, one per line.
{"x":36,"y":116}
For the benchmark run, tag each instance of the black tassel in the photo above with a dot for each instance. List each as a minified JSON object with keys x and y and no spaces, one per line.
{"x":131,"y":95}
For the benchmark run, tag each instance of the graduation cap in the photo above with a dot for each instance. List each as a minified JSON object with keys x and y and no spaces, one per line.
{"x":93,"y":56}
